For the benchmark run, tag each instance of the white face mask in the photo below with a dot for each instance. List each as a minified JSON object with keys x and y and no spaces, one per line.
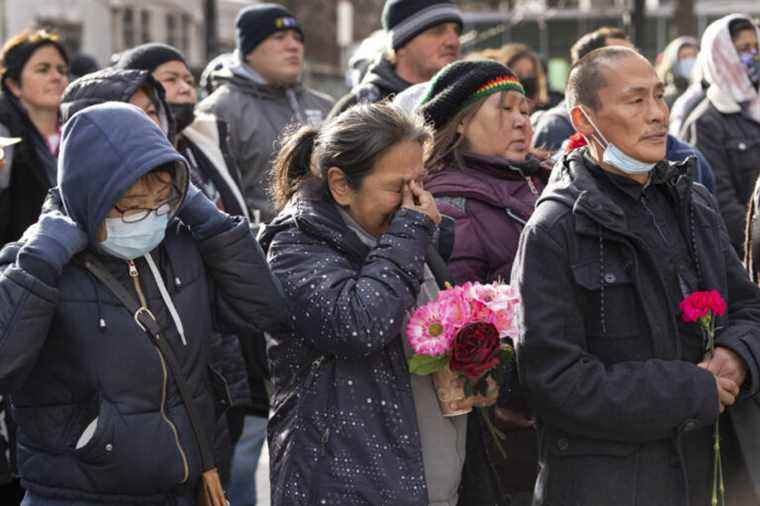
{"x":614,"y":156}
{"x":132,"y":240}
{"x":684,"y":66}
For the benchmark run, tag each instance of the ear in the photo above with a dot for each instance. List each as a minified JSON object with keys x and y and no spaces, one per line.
{"x":581,"y":122}
{"x":341,"y":191}
{"x":462,"y":126}
{"x":14,"y":87}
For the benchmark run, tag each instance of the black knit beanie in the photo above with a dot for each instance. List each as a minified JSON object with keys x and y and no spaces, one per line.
{"x":149,"y":57}
{"x":15,"y":57}
{"x":462,"y":83}
{"x":405,"y":19}
{"x":257,"y":22}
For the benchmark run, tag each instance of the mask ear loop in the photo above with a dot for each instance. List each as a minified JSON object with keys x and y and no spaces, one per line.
{"x":598,"y":132}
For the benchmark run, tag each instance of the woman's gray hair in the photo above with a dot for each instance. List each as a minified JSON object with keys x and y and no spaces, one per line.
{"x":352,"y":141}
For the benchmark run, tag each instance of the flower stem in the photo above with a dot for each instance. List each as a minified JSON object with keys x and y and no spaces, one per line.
{"x":498,"y":436}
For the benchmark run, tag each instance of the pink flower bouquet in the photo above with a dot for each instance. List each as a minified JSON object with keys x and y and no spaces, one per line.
{"x":459,"y":338}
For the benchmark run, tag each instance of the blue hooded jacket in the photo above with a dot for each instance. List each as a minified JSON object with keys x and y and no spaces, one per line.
{"x":90,"y":145}
{"x":73,"y":356}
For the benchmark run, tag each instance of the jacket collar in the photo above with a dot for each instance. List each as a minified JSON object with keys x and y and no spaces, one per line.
{"x":573,"y":184}
{"x":505,"y":169}
{"x":492,"y":180}
{"x":246,"y":83}
{"x":383,"y":75}
{"x":312,"y":211}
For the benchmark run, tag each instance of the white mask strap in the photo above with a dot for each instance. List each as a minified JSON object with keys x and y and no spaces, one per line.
{"x":599,"y":132}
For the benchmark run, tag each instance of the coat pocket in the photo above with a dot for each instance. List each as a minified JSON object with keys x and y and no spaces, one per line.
{"x":610,"y":302}
{"x":589,"y":472}
{"x":99,"y":444}
{"x":745,"y":165}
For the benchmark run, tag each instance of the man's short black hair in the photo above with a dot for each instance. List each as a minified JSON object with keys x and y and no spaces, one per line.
{"x":595,"y":40}
{"x":587,"y":78}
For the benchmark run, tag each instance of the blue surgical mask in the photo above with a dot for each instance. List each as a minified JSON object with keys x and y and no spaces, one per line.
{"x":748,"y":57}
{"x":132,"y":240}
{"x":751,"y":60}
{"x":614,"y":156}
{"x":683,"y":67}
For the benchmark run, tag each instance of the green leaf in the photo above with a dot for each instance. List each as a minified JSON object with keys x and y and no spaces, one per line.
{"x":507,"y":355}
{"x":422,"y":365}
{"x":498,"y":373}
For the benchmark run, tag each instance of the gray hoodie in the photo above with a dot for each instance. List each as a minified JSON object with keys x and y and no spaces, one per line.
{"x":257,"y":114}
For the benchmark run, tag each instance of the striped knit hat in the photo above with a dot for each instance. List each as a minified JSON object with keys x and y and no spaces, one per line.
{"x":405,"y":19}
{"x":462,"y":83}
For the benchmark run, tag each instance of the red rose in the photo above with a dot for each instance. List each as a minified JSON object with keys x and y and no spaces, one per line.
{"x":475,"y":350}
{"x":700,"y":304}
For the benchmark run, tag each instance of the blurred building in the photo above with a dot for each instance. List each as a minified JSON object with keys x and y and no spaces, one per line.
{"x":551,"y":26}
{"x":104,"y":27}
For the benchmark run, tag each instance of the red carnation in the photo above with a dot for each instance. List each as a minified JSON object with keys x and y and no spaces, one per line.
{"x":701,"y":304}
{"x":577,"y":140}
{"x":475,"y":350}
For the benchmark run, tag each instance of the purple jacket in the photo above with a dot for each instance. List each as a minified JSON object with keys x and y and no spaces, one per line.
{"x":490,"y":200}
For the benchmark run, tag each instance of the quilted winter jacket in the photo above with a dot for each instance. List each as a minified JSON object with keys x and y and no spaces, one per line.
{"x":114,"y":85}
{"x":488,"y":199}
{"x":118,"y":85}
{"x":256,"y":115}
{"x":72,"y":354}
{"x":343,"y":428}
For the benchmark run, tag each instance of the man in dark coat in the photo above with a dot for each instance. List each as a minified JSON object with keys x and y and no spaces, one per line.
{"x":552,"y":128}
{"x":423,"y":36}
{"x":625,"y":398}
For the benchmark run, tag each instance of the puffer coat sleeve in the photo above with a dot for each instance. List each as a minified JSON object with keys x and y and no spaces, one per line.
{"x":27,"y":307}
{"x":246,"y":295}
{"x":351,"y":312}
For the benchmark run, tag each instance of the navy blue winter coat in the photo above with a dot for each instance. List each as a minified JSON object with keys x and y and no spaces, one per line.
{"x":343,"y":428}
{"x":72,"y":352}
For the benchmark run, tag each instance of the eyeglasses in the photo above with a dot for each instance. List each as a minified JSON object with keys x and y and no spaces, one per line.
{"x":137,"y":214}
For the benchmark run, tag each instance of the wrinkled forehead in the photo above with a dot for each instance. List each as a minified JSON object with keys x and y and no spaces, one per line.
{"x":627,"y":74}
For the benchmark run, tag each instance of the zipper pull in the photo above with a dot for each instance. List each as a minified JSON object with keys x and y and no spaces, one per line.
{"x":531,"y":185}
{"x":132,"y":269}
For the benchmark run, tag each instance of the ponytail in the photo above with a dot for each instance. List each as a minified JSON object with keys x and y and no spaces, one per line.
{"x":292,"y":164}
{"x":351,"y":141}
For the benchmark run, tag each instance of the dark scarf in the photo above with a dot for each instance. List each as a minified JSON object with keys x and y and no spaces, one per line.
{"x":502,"y":168}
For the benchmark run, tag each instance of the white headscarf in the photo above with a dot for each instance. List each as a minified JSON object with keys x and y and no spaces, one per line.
{"x":730,"y":89}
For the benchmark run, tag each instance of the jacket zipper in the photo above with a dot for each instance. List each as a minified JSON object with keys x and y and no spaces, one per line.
{"x":135,"y":275}
{"x":531,"y":185}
